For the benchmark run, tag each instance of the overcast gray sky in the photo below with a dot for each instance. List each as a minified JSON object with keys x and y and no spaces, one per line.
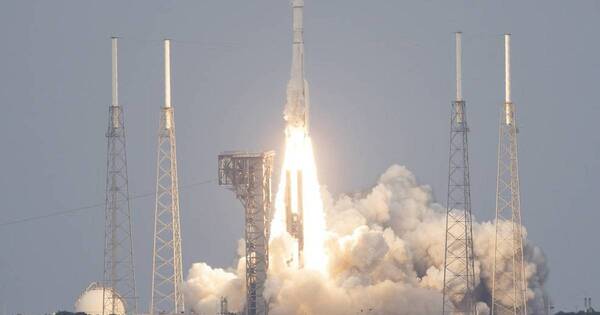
{"x":381,"y":76}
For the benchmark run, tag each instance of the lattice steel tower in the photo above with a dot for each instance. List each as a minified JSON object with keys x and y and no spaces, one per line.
{"x":167,"y":274}
{"x":249,"y":176}
{"x":508,"y":284}
{"x":459,"y":271}
{"x":119,"y":277}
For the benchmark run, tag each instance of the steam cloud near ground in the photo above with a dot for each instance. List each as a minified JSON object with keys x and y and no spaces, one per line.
{"x":386,"y":252}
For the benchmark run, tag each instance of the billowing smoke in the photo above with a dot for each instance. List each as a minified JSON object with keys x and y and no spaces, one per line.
{"x":386,"y":255}
{"x":206,"y":285}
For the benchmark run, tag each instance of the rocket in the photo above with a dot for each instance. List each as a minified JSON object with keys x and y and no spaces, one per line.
{"x":296,"y":117}
{"x":297,"y":103}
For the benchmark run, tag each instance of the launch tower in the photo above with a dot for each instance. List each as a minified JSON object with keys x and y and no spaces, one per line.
{"x":459,"y":274}
{"x":508,"y":285}
{"x":167,"y":274}
{"x":248,"y":175}
{"x":119,"y":278}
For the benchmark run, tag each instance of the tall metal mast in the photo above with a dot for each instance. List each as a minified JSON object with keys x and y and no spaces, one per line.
{"x":167,"y":274}
{"x":119,"y":276}
{"x":508,"y":284}
{"x":459,"y":276}
{"x":248,"y":175}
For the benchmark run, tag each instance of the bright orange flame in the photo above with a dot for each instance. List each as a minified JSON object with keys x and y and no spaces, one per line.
{"x":299,"y":157}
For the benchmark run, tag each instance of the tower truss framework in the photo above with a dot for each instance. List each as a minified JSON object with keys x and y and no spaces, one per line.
{"x":459,"y":269}
{"x":119,"y":276}
{"x":508,"y":284}
{"x":248,"y":175}
{"x":167,"y":272}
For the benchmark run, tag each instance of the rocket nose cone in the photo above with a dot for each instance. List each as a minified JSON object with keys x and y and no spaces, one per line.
{"x":297,"y":3}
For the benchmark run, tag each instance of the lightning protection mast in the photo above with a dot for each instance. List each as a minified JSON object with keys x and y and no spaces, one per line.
{"x":508,"y":284}
{"x":167,"y":274}
{"x":459,"y":271}
{"x":119,"y":279}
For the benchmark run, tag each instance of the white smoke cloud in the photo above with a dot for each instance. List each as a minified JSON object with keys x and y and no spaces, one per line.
{"x":386,"y":255}
{"x":205,"y":286}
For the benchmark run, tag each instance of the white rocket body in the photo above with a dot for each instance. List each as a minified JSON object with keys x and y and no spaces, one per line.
{"x":297,"y":103}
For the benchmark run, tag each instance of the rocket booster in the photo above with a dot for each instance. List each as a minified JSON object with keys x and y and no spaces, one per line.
{"x":297,"y":103}
{"x":294,"y":210}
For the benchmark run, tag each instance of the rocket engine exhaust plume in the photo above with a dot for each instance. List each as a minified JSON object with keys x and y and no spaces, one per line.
{"x":299,"y":210}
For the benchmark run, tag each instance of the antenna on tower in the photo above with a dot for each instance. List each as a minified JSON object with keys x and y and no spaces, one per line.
{"x":167,"y":274}
{"x":508,"y":282}
{"x":119,"y":276}
{"x":459,"y":270}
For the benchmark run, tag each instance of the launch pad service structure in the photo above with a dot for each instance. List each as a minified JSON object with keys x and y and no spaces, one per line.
{"x":248,"y":175}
